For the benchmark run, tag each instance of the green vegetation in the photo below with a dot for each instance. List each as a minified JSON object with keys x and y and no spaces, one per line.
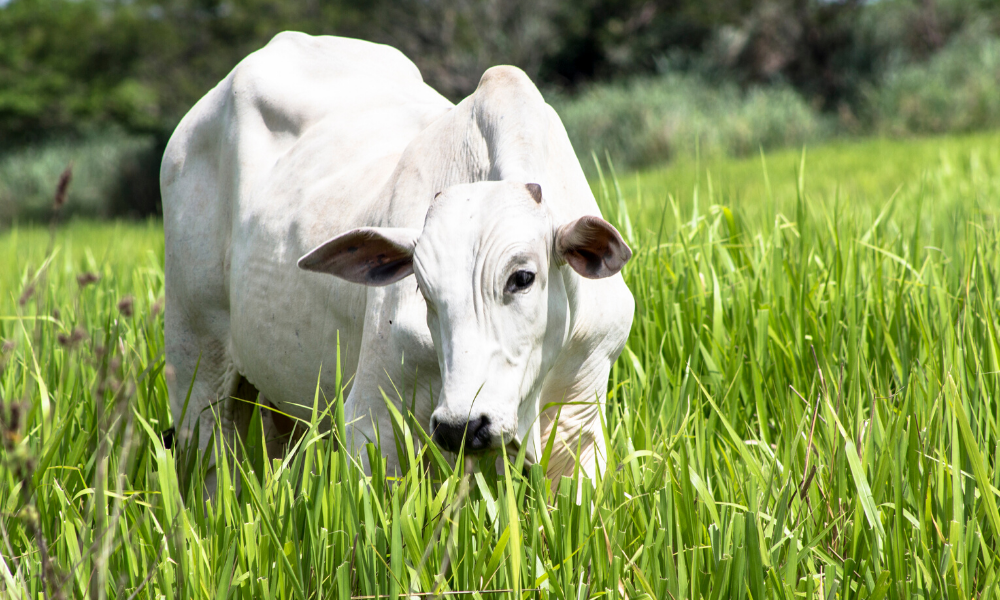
{"x":958,"y":89}
{"x":110,"y":176}
{"x":807,"y":407}
{"x":678,"y":116}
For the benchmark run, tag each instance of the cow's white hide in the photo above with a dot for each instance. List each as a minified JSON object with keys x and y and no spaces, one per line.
{"x":311,"y":138}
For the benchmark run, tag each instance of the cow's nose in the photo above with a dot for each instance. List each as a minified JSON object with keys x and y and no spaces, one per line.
{"x":475,"y":433}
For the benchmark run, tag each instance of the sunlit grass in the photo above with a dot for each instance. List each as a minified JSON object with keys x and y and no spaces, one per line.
{"x":952,"y":174}
{"x":807,"y":407}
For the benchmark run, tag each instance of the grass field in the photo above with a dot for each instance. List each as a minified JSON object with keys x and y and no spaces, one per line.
{"x":808,"y":407}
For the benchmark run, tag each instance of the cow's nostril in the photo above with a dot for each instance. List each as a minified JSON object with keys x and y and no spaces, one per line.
{"x":474,"y":433}
{"x":478,"y":438}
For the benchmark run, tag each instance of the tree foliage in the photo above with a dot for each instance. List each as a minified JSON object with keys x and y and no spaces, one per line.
{"x":77,"y":75}
{"x":76,"y":65}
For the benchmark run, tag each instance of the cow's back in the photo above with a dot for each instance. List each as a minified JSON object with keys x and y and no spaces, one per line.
{"x":289,"y":149}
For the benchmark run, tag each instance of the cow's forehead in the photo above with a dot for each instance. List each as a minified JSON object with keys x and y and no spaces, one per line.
{"x":501,"y":211}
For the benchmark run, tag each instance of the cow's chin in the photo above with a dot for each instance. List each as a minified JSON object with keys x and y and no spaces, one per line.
{"x":511,"y":450}
{"x":497,"y":454}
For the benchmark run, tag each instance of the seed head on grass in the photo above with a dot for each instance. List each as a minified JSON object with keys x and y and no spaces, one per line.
{"x":126,"y":306}
{"x":72,"y":339}
{"x":26,"y":295}
{"x":157,"y":308}
{"x":62,"y":187}
{"x":11,"y":420}
{"x":85,"y":279}
{"x":5,"y":351}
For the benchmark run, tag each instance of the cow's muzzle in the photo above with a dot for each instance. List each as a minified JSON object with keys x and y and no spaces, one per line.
{"x":474,"y":435}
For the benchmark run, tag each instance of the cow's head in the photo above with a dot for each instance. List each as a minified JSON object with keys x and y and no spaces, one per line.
{"x":489,"y":263}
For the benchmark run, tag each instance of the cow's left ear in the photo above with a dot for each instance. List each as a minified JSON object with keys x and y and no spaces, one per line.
{"x":368,"y":255}
{"x":593,"y":247}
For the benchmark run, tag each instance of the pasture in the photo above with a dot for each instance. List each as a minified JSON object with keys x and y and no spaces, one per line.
{"x":807,"y":407}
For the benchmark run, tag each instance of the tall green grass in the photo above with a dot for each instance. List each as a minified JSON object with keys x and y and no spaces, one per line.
{"x":806,"y":407}
{"x":954,"y":179}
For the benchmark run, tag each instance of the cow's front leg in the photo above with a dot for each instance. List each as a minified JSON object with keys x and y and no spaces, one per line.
{"x":369,"y":422}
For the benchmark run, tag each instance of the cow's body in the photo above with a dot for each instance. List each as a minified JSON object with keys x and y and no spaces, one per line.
{"x":309,"y":138}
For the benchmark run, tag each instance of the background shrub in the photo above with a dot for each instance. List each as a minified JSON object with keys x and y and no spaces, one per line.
{"x":114,"y":174}
{"x":651,"y":120}
{"x":957,"y":89}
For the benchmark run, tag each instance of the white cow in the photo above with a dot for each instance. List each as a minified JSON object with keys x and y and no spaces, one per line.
{"x":516,"y":303}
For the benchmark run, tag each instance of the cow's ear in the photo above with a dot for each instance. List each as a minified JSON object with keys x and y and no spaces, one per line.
{"x":593,"y":247}
{"x":368,"y":255}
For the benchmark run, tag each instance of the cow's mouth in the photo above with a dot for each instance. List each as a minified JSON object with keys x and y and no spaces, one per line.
{"x":512,"y":448}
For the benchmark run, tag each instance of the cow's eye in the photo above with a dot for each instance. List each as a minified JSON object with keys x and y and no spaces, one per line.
{"x":519,"y":281}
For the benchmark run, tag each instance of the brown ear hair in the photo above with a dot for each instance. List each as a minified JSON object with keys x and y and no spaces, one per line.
{"x":368,"y":255}
{"x":592,"y":246}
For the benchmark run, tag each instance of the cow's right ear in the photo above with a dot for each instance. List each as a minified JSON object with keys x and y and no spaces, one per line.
{"x":368,"y":255}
